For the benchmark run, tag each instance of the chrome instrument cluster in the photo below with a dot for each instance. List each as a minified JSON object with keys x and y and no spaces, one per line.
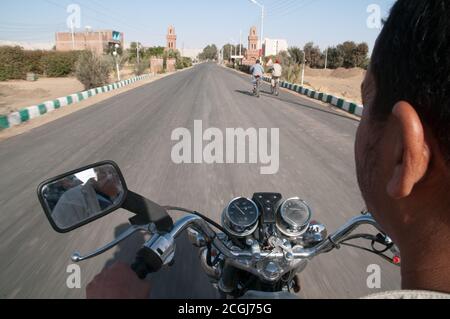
{"x":240,"y":217}
{"x":291,"y":217}
{"x":294,"y":216}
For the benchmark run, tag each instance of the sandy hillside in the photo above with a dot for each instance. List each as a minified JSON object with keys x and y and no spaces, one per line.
{"x":345,"y":83}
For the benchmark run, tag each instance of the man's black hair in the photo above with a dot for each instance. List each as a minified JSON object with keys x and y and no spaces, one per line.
{"x":411,"y":62}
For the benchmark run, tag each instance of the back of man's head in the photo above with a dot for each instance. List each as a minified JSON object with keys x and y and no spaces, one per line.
{"x":411,"y":62}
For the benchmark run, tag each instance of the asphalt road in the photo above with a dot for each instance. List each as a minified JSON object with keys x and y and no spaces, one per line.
{"x":134,"y":129}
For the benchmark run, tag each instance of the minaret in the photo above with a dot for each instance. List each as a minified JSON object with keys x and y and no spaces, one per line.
{"x":253,"y":49}
{"x":171,"y":39}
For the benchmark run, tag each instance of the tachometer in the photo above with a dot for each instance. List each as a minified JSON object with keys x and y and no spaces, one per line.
{"x":240,"y":217}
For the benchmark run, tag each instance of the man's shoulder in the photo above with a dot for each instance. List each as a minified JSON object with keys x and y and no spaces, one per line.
{"x":409,"y":294}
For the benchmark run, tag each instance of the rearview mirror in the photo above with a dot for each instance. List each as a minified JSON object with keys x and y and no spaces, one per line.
{"x":82,"y":196}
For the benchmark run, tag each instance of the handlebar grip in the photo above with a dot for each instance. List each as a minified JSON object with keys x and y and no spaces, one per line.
{"x":147,"y":262}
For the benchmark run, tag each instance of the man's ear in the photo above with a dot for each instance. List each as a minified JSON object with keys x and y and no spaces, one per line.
{"x":411,"y":150}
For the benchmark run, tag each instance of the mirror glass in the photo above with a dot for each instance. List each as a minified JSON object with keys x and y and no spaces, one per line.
{"x":74,"y":199}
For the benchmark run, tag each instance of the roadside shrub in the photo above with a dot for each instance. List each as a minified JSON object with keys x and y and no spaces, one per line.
{"x":179,"y":65}
{"x":12,"y":65}
{"x":165,"y":64}
{"x":187,"y":62}
{"x":60,"y":64}
{"x":92,"y":70}
{"x":17,"y":62}
{"x":33,"y":61}
{"x":292,"y":73}
{"x":244,"y":68}
{"x":141,"y":67}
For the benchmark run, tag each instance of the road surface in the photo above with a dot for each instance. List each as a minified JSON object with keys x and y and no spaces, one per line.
{"x":134,"y":129}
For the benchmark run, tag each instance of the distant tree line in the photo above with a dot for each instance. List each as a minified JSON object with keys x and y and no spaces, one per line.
{"x":347,"y":55}
{"x":210,"y":52}
{"x":230,"y":49}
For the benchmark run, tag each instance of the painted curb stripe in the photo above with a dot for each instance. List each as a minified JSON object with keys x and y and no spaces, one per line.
{"x":359,"y":110}
{"x":13,"y":119}
{"x":31,"y":112}
{"x":24,"y":115}
{"x":49,"y":106}
{"x":4,"y":123}
{"x":42,"y":109}
{"x":350,"y":107}
{"x":346,"y":106}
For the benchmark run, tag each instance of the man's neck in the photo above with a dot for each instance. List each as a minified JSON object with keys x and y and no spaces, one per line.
{"x":426,"y":264}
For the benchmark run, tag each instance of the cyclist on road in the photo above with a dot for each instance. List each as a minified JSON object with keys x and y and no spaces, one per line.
{"x":257,"y":72}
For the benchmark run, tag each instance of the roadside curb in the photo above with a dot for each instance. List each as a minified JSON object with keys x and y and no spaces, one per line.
{"x":34,"y":111}
{"x":340,"y":103}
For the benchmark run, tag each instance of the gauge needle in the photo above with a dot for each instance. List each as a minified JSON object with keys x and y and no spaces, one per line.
{"x":239,"y":209}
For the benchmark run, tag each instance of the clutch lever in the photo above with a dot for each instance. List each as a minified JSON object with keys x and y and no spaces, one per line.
{"x":76,"y":256}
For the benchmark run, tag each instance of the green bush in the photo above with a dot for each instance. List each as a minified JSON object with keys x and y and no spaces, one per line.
{"x":92,"y":70}
{"x":12,"y":65}
{"x":165,"y":64}
{"x":141,"y":67}
{"x":179,"y":65}
{"x":60,"y":64}
{"x":17,"y":62}
{"x":34,"y":61}
{"x":187,"y":62}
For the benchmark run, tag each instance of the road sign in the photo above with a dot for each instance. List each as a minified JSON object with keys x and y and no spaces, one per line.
{"x":117,"y":36}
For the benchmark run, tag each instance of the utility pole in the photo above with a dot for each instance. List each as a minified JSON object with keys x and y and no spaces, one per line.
{"x":326,"y":59}
{"x":73,"y":34}
{"x":303,"y":68}
{"x":262,"y":24}
{"x":262,"y":31}
{"x":116,"y":54}
{"x":137,"y":52}
{"x":240,"y":43}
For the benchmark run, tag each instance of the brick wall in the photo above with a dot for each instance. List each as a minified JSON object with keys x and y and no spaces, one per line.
{"x":94,"y":41}
{"x":156,"y":65}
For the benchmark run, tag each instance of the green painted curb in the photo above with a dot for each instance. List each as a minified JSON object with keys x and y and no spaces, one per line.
{"x":4,"y":122}
{"x":24,"y":115}
{"x":328,"y":98}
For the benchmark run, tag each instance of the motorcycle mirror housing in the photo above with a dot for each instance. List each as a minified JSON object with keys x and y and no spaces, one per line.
{"x":79,"y":197}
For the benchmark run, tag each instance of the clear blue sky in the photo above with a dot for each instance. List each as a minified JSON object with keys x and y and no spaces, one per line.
{"x":198,"y":22}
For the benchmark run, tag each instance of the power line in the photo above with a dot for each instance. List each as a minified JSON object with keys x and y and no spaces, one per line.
{"x":281,"y":7}
{"x":292,"y":10}
{"x":101,"y":12}
{"x":93,"y":17}
{"x":115,"y":14}
{"x":289,"y":7}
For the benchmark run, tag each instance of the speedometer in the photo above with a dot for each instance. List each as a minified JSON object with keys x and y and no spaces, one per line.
{"x":240,"y":217}
{"x":294,"y":217}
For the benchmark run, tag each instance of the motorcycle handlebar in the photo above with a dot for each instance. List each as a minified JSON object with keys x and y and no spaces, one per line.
{"x":325,"y":246}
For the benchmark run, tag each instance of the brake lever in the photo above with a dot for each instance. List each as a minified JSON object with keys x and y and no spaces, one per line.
{"x":76,"y":256}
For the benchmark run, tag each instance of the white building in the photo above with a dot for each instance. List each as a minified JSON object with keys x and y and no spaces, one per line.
{"x":274,"y":46}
